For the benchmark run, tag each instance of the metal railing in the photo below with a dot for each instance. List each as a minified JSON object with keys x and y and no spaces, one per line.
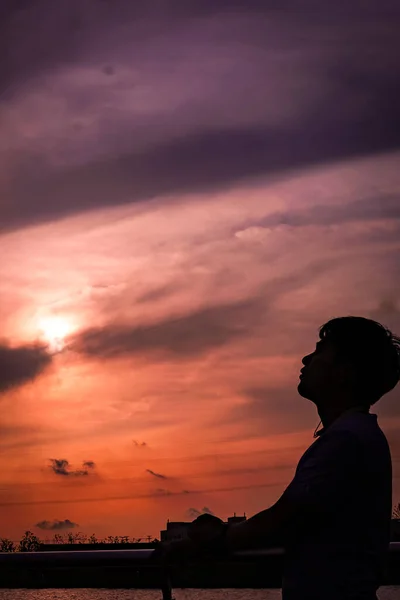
{"x":133,"y":558}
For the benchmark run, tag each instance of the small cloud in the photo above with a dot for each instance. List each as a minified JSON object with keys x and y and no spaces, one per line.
{"x":139,"y":444}
{"x":159,"y":475}
{"x":253,"y":234}
{"x":193,"y":513}
{"x":61,"y":466}
{"x":108,"y":70}
{"x":388,"y":306}
{"x":56,"y":525}
{"x":158,"y":293}
{"x":90,"y":464}
{"x":162,"y":492}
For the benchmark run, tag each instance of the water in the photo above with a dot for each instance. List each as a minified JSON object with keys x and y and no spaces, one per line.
{"x":385,"y":593}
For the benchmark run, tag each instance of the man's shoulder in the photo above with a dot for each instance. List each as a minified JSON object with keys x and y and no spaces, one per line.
{"x":349,"y":436}
{"x":362,"y":427}
{"x":334,"y":445}
{"x":361,"y":432}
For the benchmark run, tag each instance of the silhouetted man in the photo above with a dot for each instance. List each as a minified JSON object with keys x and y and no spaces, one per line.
{"x":334,"y":517}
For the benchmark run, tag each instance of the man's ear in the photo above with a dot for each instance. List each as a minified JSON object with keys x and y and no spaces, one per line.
{"x":347,"y":375}
{"x":343,"y":372}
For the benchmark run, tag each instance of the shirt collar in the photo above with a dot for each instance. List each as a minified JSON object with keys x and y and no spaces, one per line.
{"x":349,"y":411}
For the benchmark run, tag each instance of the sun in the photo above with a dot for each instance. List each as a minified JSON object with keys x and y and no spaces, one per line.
{"x":54,"y":330}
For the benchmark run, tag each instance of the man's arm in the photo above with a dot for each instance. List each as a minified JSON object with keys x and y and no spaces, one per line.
{"x":262,"y":527}
{"x":319,"y":487}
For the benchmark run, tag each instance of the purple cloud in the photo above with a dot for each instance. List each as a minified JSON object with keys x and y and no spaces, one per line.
{"x":249,"y":92}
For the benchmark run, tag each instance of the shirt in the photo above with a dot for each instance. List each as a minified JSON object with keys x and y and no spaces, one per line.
{"x":336,"y":546}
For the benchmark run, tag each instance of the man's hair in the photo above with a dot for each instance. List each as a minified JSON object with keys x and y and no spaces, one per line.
{"x":371,"y":349}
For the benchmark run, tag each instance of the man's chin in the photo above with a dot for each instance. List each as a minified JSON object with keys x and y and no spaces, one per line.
{"x":301,"y":388}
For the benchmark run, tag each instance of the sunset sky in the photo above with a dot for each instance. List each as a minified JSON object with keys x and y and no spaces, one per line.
{"x":188,"y":191}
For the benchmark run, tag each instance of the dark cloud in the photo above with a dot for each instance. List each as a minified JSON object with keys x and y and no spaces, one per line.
{"x":162,"y":492}
{"x":21,"y":364}
{"x":157,"y":293}
{"x":196,"y":333}
{"x":193,"y":513}
{"x":386,"y":206}
{"x":34,"y":44}
{"x":347,"y":53}
{"x":183,"y":336}
{"x":389,"y":306}
{"x":56,"y":525}
{"x":61,"y":466}
{"x":89,"y":464}
{"x":159,"y":475}
{"x":198,"y":162}
{"x":139,"y":444}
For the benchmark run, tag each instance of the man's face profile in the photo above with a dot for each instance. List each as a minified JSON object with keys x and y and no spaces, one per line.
{"x":321,"y":375}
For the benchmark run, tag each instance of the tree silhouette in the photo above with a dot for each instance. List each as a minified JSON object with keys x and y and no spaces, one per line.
{"x":29,"y":542}
{"x":7,"y":545}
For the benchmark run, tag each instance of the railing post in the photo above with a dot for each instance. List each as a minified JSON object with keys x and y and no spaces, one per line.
{"x":166,"y":587}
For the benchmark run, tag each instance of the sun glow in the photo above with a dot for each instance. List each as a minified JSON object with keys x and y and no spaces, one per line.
{"x":54,"y":330}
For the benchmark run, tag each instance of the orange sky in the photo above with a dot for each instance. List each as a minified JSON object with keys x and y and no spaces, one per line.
{"x":188,"y":191}
{"x":178,"y":329}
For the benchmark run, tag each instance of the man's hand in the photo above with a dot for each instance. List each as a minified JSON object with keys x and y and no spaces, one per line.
{"x":176,"y":551}
{"x":201,"y":534}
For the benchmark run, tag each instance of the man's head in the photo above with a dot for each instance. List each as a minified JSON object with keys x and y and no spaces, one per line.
{"x":355,"y":363}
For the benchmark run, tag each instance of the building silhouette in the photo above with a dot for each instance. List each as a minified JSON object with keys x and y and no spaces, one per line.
{"x":177,"y":530}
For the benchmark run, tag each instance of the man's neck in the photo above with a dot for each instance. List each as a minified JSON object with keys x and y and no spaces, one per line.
{"x":329,"y":415}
